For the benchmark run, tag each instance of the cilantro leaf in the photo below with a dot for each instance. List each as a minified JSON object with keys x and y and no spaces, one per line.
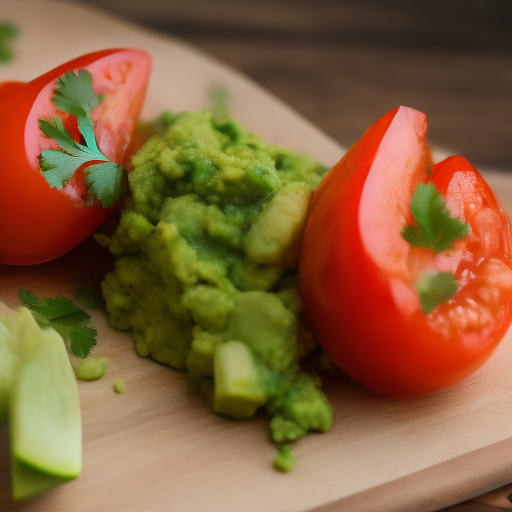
{"x":75,"y":96}
{"x":105,"y":182}
{"x":82,"y":341}
{"x":436,"y":230}
{"x":58,"y":167}
{"x":7,"y":31}
{"x":86,"y":128}
{"x":434,"y":289}
{"x":61,"y":314}
{"x":54,"y":129}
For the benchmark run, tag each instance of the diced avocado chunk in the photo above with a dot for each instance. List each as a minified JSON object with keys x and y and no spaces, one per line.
{"x":46,"y":435}
{"x":261,"y":321}
{"x":238,"y":389}
{"x":274,"y":237}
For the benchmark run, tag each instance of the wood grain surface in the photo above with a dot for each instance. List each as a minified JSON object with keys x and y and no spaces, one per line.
{"x":156,"y":446}
{"x":344,"y":63}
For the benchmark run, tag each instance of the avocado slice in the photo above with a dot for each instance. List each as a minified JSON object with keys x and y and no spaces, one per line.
{"x":238,"y":390}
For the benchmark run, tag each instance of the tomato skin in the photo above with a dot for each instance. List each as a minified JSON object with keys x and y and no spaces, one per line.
{"x":39,"y":223}
{"x":9,"y":88}
{"x":350,"y":298}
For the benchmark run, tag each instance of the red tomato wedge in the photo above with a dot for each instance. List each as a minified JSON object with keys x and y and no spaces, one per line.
{"x":39,"y":223}
{"x":357,"y":274}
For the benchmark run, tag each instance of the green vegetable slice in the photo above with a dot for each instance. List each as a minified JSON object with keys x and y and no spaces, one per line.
{"x":28,"y":482}
{"x":45,"y":419}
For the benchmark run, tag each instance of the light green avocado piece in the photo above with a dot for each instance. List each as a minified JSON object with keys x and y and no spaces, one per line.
{"x":261,"y":321}
{"x":46,"y":434}
{"x":238,"y":391}
{"x":274,"y":236}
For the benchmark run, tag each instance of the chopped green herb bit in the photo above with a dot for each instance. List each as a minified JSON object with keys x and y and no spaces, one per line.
{"x":436,"y":230}
{"x":70,"y":321}
{"x":8,"y":31}
{"x":91,"y":368}
{"x":75,"y":96}
{"x":119,"y":386}
{"x":434,"y":289}
{"x":284,"y":460}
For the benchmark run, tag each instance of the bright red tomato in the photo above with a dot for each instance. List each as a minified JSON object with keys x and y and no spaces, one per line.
{"x":38,"y":223}
{"x":357,"y":274}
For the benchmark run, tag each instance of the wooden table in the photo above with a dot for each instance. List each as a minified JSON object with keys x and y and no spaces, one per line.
{"x":342,"y":64}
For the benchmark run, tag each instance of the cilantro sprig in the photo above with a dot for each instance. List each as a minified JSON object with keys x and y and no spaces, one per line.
{"x":61,"y":314}
{"x":434,"y":289}
{"x":75,"y":96}
{"x":8,"y":31}
{"x":437,"y":230}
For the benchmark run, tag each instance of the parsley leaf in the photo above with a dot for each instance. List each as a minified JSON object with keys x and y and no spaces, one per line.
{"x":434,"y":289}
{"x":436,"y":230}
{"x":61,"y":314}
{"x":7,"y":31}
{"x":75,"y":96}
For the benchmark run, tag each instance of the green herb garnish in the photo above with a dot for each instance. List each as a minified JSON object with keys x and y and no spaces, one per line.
{"x":8,"y":31}
{"x":434,"y":289}
{"x":75,"y":96}
{"x":61,"y":314}
{"x":436,"y":230}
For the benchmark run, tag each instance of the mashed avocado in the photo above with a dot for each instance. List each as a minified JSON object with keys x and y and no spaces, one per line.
{"x":207,"y":249}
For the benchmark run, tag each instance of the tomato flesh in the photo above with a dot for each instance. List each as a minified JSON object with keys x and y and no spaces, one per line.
{"x":357,"y":274}
{"x":40,"y":223}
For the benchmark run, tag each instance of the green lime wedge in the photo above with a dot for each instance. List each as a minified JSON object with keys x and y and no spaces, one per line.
{"x":45,"y":417}
{"x":27,"y":482}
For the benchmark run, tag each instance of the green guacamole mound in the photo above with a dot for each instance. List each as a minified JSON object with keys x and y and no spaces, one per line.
{"x":206,"y":276}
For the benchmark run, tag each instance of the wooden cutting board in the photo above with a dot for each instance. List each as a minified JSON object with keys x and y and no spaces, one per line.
{"x":158,"y":447}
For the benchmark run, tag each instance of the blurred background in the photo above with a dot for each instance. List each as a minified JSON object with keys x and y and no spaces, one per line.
{"x":344,"y":63}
